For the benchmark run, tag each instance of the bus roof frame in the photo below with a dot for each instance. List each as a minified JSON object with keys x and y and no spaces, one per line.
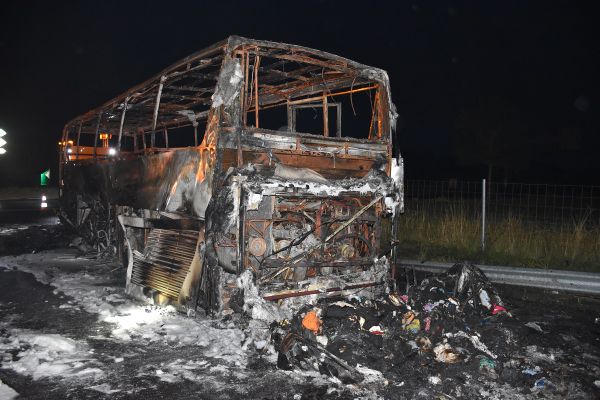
{"x":145,"y":93}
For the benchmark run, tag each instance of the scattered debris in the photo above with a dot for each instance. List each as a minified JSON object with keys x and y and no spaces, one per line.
{"x":382,"y":332}
{"x":543,"y":384}
{"x":532,"y":371}
{"x":312,"y":322}
{"x":487,"y":367}
{"x":444,"y":353}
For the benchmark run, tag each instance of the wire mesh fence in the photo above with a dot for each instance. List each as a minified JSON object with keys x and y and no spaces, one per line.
{"x":541,"y":205}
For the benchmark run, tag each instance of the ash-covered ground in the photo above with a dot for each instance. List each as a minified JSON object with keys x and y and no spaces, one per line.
{"x":67,"y":330}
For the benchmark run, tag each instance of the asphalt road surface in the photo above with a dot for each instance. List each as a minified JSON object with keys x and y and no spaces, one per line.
{"x":68,"y":331}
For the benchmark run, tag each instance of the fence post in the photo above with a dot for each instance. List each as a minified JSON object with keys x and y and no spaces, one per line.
{"x":483,"y":215}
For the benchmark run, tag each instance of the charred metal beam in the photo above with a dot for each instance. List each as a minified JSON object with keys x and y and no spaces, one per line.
{"x":287,"y":295}
{"x":78,"y":139}
{"x":96,"y":136}
{"x":122,"y":122}
{"x":274,"y":263}
{"x":156,"y":107}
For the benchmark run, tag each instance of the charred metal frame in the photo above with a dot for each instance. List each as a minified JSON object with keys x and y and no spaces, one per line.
{"x":242,"y":182}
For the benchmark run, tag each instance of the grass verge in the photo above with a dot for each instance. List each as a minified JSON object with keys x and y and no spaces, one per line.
{"x":455,"y":236}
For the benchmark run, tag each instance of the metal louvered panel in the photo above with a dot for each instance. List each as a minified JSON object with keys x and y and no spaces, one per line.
{"x":165,"y":262}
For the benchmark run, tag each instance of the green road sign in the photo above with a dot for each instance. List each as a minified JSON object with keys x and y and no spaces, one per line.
{"x":45,"y":178}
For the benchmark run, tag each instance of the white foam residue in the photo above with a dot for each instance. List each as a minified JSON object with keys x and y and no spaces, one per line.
{"x":6,"y":392}
{"x":115,"y":298}
{"x":104,"y":388}
{"x":258,"y":336}
{"x":87,"y":289}
{"x":49,"y":356}
{"x":255,"y":305}
{"x":165,"y":325}
{"x":390,"y":204}
{"x":397,"y":172}
{"x":271,"y":188}
{"x":228,"y":84}
{"x":133,"y":321}
{"x":370,"y":375}
{"x":342,"y":304}
{"x":179,"y":370}
{"x":12,"y":229}
{"x":254,"y":200}
{"x":212,"y":376}
{"x":260,"y":344}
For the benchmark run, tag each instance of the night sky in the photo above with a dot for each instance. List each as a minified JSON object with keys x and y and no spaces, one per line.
{"x":60,"y":59}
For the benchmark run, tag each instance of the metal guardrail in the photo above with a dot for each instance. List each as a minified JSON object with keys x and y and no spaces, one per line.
{"x":569,"y":281}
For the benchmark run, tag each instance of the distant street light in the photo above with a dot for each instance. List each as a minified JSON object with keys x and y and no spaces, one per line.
{"x":2,"y":141}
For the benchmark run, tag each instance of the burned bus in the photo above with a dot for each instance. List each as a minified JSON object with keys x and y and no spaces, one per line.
{"x":249,"y":155}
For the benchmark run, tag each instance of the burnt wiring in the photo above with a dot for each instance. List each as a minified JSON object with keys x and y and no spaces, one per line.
{"x":356,"y":236}
{"x":296,"y":242}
